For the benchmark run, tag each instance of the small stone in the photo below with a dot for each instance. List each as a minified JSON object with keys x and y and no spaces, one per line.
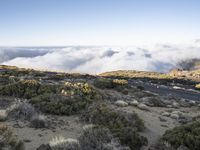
{"x":121,"y":103}
{"x":192,"y":103}
{"x":163,"y":125}
{"x":176,"y":112}
{"x":169,"y":106}
{"x":134,"y":103}
{"x":162,"y":119}
{"x":175,"y":105}
{"x":40,"y":135}
{"x":27,"y":140}
{"x":174,"y":116}
{"x":166,"y":114}
{"x":143,"y":107}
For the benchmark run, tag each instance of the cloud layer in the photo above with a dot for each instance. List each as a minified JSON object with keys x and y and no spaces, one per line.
{"x":95,"y":60}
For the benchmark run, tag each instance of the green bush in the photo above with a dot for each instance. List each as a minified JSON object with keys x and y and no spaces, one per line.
{"x":73,"y":98}
{"x":57,"y":77}
{"x":105,"y":83}
{"x":129,"y":136}
{"x":118,"y":123}
{"x":5,"y":79}
{"x":21,"y":111}
{"x":98,"y":138}
{"x":80,"y":89}
{"x":8,"y":140}
{"x":59,"y":104}
{"x":27,"y":89}
{"x":187,"y":135}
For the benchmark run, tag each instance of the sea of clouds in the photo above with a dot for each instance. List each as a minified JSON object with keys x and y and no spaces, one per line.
{"x":98,"y":59}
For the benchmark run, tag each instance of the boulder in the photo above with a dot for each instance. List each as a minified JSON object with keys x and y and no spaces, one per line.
{"x":134,"y":103}
{"x":162,"y":118}
{"x":166,"y":114}
{"x":169,"y":106}
{"x":143,"y":107}
{"x":174,"y":116}
{"x":184,"y":103}
{"x":121,"y":103}
{"x":175,"y":105}
{"x":3,"y":115}
{"x":192,"y":103}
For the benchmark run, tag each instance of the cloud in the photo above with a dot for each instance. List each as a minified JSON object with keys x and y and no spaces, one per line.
{"x":11,"y":53}
{"x":95,"y":60}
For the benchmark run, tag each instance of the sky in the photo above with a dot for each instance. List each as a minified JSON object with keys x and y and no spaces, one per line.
{"x":98,"y":22}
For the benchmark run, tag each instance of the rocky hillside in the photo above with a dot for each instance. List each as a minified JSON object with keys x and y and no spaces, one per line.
{"x":122,"y":110}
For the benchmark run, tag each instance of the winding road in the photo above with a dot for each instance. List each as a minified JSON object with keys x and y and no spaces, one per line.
{"x":167,"y":90}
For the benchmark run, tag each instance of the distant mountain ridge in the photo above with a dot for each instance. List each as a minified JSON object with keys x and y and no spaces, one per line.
{"x":191,"y":64}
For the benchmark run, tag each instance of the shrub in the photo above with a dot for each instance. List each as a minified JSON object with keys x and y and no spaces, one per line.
{"x":187,"y":135}
{"x":197,"y":86}
{"x":6,"y":79}
{"x":117,"y":84}
{"x":21,"y":111}
{"x":140,"y":87}
{"x":57,"y":77}
{"x":98,"y":138}
{"x":118,"y":123}
{"x":27,"y":89}
{"x":60,"y":143}
{"x":39,"y":121}
{"x":120,"y":82}
{"x":129,"y":136}
{"x":103,"y":83}
{"x":80,"y":89}
{"x":74,"y":97}
{"x":8,"y":140}
{"x":104,"y":115}
{"x":59,"y":104}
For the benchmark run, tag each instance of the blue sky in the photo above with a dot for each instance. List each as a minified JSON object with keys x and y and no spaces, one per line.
{"x":97,"y":22}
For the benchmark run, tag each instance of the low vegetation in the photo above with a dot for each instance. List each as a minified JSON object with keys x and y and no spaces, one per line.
{"x":92,"y":138}
{"x":8,"y":140}
{"x":124,"y":126}
{"x":154,"y":77}
{"x":60,"y":143}
{"x":21,"y":111}
{"x":27,"y":89}
{"x":197,"y":86}
{"x":187,"y":135}
{"x":135,"y":74}
{"x":120,"y":85}
{"x":39,"y":121}
{"x":74,"y":98}
{"x":98,"y":138}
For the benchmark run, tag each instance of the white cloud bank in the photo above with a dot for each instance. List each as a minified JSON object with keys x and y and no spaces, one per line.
{"x":95,"y":60}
